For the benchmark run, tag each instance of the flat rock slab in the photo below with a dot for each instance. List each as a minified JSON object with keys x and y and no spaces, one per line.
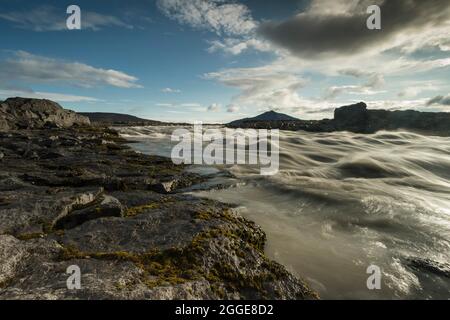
{"x":170,"y":224}
{"x":31,"y":210}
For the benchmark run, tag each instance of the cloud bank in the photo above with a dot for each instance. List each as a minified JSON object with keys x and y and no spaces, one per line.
{"x":59,"y":97}
{"x":338,"y":27}
{"x":34,"y":69}
{"x":48,"y":18}
{"x":216,"y":16}
{"x":439,"y":100}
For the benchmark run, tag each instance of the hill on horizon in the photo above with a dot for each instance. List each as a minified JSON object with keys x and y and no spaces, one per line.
{"x":266,"y":116}
{"x":115,"y":118}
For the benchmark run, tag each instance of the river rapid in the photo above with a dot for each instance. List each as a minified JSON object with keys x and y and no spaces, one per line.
{"x":342,"y":202}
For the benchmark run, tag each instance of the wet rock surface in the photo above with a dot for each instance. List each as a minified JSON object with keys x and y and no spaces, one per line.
{"x":80,"y":196}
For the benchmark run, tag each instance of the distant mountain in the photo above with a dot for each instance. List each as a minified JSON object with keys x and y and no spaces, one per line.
{"x":267,"y":116}
{"x":117,"y":119}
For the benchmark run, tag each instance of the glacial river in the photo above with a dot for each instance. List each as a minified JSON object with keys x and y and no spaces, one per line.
{"x":342,"y":202}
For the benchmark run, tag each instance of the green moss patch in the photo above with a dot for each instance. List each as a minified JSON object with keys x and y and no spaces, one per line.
{"x":30,"y":236}
{"x":134,"y":211}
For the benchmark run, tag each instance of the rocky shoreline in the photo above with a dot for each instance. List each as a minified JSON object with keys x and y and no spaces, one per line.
{"x":73,"y":194}
{"x":358,"y":119}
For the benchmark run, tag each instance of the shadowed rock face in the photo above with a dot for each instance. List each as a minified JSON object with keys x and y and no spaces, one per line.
{"x":23,"y":113}
{"x":357,"y":118}
{"x":80,"y":196}
{"x":351,"y":118}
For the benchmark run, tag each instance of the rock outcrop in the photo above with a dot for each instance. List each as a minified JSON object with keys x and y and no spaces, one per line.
{"x":23,"y":113}
{"x":352,"y":118}
{"x":357,"y":118}
{"x":80,"y":196}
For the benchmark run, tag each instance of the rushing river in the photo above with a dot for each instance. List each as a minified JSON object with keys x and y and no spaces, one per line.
{"x":342,"y":202}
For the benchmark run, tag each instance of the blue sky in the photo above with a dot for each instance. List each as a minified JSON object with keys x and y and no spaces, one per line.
{"x":219,"y":60}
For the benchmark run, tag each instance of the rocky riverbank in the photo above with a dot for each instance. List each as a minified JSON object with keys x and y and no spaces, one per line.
{"x":72,"y":194}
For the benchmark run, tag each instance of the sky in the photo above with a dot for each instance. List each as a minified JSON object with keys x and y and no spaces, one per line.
{"x":221,"y":60}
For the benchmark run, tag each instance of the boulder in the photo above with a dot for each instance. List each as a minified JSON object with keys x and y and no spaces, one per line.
{"x":352,"y":118}
{"x":163,"y":187}
{"x":12,"y":251}
{"x":23,"y":113}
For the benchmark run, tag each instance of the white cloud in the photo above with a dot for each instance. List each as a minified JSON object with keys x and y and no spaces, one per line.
{"x":405,"y":65}
{"x":364,"y":65}
{"x":412,"y":89}
{"x":215,"y":107}
{"x":335,"y":91}
{"x":261,"y":87}
{"x":164,"y":105}
{"x":439,"y":100}
{"x":389,"y":104}
{"x":232,"y":108}
{"x":190,"y":105}
{"x":219,"y":16}
{"x":338,"y":7}
{"x":437,"y":36}
{"x":48,"y":18}
{"x":225,"y":18}
{"x":170,"y":90}
{"x":237,"y":46}
{"x":29,"y":68}
{"x":374,"y":82}
{"x":58,"y":97}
